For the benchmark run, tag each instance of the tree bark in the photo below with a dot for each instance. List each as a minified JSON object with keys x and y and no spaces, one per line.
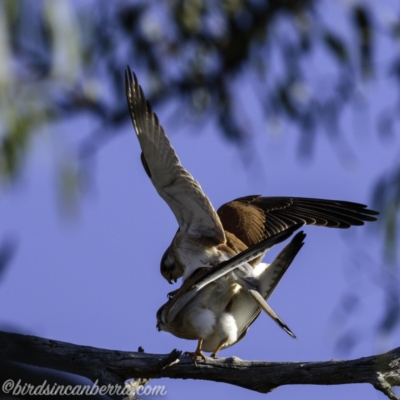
{"x":114,"y":367}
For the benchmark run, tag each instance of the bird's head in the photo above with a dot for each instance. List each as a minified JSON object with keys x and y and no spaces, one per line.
{"x":168,"y":267}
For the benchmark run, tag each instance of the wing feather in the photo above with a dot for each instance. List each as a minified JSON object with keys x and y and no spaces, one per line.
{"x":205,"y":276}
{"x":254,"y":218}
{"x":183,"y":194}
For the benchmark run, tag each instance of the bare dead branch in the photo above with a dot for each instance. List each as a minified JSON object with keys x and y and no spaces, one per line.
{"x":114,"y":367}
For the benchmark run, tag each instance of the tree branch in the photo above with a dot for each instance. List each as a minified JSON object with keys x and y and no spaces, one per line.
{"x":114,"y":367}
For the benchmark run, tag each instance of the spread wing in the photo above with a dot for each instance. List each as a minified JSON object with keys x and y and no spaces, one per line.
{"x":183,"y":194}
{"x":254,"y":218}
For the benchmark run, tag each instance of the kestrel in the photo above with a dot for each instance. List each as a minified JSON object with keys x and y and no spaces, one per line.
{"x":206,"y":237}
{"x":217,"y":305}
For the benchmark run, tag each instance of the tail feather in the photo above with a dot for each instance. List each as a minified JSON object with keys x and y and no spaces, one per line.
{"x":271,"y":276}
{"x":264,"y":305}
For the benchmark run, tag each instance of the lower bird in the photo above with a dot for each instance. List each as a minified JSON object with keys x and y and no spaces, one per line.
{"x":217,"y":306}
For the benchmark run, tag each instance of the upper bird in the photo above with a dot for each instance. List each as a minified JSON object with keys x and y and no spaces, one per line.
{"x":206,"y":237}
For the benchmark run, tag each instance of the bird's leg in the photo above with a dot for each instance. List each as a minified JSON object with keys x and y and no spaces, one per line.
{"x":197,"y":352}
{"x":170,"y":295}
{"x":221,"y":343}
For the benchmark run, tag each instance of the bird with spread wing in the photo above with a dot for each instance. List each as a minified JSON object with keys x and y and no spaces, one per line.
{"x":206,"y":237}
{"x":225,"y":286}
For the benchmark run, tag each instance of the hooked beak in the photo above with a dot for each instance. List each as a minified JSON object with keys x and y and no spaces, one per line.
{"x":172,"y":280}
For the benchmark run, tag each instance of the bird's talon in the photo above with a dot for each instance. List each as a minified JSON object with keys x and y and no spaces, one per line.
{"x":195,"y":354}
